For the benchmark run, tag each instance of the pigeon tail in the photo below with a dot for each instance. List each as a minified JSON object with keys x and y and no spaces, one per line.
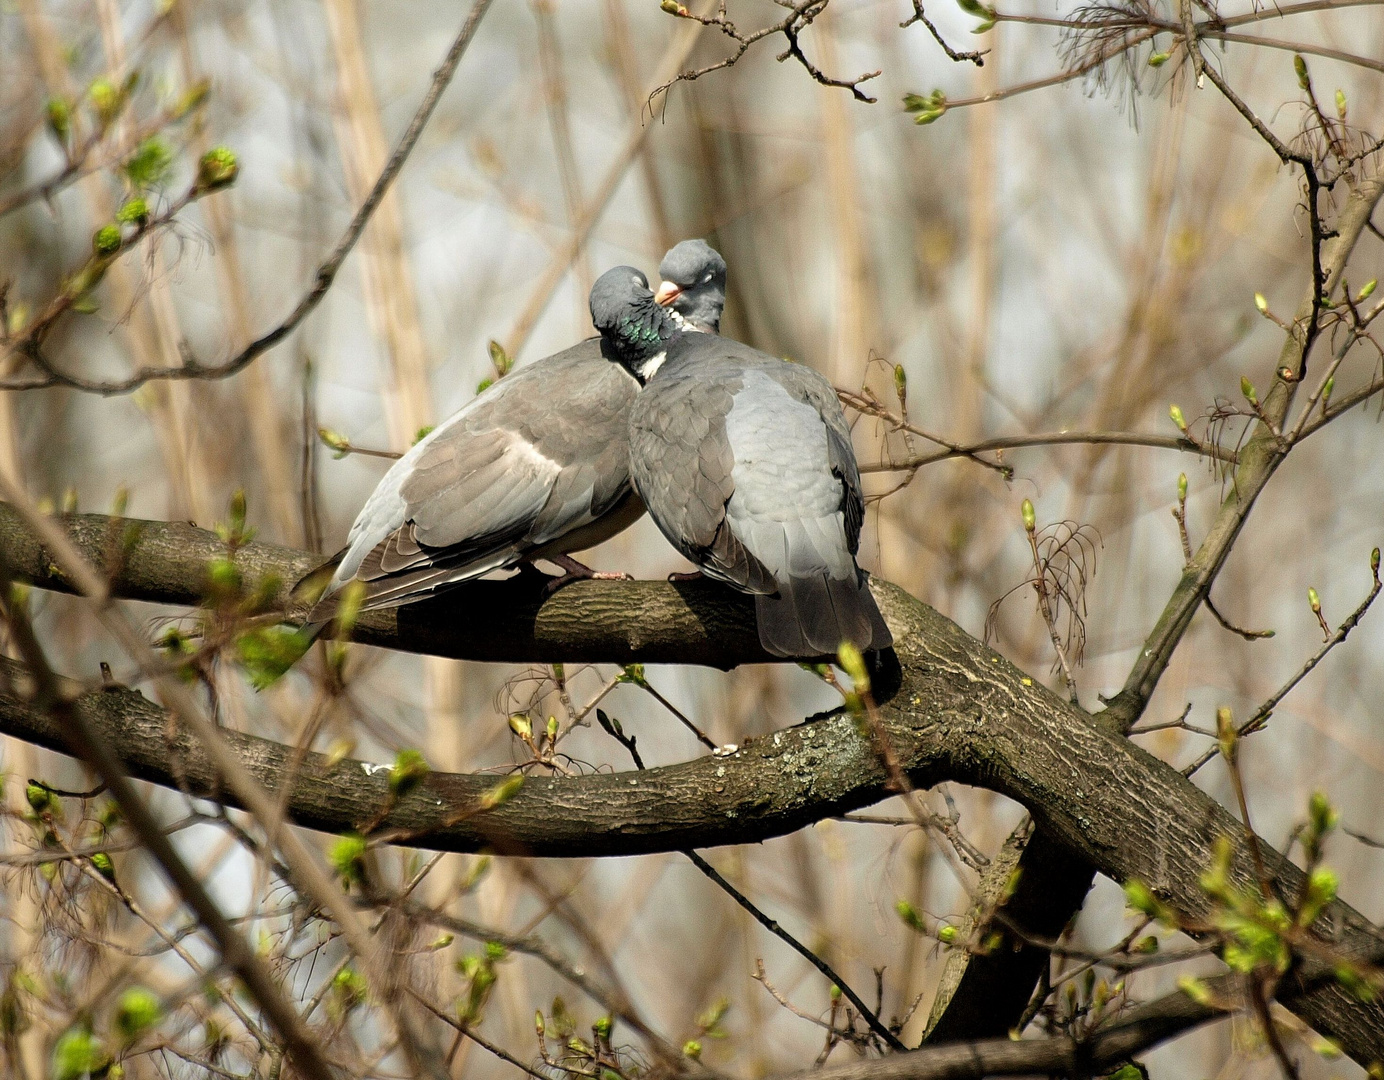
{"x":812,"y":616}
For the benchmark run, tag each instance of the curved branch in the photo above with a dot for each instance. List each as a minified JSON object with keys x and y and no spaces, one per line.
{"x":962,"y":713}
{"x":1058,"y":438}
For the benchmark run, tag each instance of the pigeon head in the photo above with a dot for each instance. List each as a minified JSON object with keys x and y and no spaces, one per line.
{"x":636,"y":328}
{"x":694,"y":284}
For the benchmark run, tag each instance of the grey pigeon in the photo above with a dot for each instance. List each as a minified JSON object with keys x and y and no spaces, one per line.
{"x":694,"y":284}
{"x":535,"y":467}
{"x":745,"y":464}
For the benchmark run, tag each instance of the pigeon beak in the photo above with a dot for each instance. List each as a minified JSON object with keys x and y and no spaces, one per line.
{"x":667,"y":293}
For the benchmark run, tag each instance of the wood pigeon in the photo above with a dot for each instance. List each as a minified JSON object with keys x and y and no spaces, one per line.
{"x":535,"y":467}
{"x":745,"y":464}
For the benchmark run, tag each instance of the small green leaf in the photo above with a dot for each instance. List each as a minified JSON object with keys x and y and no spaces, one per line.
{"x":78,"y":1054}
{"x":502,"y":792}
{"x":347,"y":857}
{"x":134,"y":212}
{"x":1300,"y":69}
{"x":1158,"y":59}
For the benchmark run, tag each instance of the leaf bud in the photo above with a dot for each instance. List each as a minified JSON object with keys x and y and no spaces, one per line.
{"x":910,"y":915}
{"x":1030,"y":516}
{"x":134,"y":212}
{"x":1326,"y":390}
{"x":691,"y":1048}
{"x":947,"y":935}
{"x":102,"y":864}
{"x":40,"y":798}
{"x":1247,"y":388}
{"x":1175,"y":413}
{"x":1226,"y":735}
{"x":106,"y":240}
{"x":1341,"y":104}
{"x":853,"y":664}
{"x":901,"y":383}
{"x":410,"y":768}
{"x":602,"y":1027}
{"x":551,"y":729}
{"x":1158,"y":59}
{"x":1367,"y":291}
{"x":1374,"y":562}
{"x":1300,"y":68}
{"x":59,"y":119}
{"x":217,"y":169}
{"x":538,"y":1024}
{"x":521,"y":726}
{"x":1261,"y":302}
{"x":499,"y":359}
{"x":484,"y":385}
{"x":502,"y":792}
{"x":1314,"y":601}
{"x":1181,"y":487}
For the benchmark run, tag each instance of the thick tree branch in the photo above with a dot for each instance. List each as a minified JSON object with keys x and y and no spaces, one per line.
{"x":962,"y":712}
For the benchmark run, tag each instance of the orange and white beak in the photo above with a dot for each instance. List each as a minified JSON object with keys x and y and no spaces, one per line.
{"x":667,"y":293}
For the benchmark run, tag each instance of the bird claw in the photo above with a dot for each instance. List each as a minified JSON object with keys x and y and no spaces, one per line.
{"x":578,"y":571}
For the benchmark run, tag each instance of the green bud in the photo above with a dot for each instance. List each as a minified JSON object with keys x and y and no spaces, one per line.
{"x":134,"y":212}
{"x":672,"y":7}
{"x":494,"y":951}
{"x":1158,"y":59}
{"x":347,"y":857}
{"x":691,"y":1048}
{"x":602,"y":1027}
{"x":947,"y":935}
{"x":1367,"y":291}
{"x":900,"y":382}
{"x":520,"y":725}
{"x":106,"y":240}
{"x":78,"y":1054}
{"x":1300,"y":68}
{"x":410,"y":768}
{"x":1029,"y":515}
{"x":552,"y":729}
{"x":499,"y":359}
{"x":106,"y":99}
{"x":1374,"y":562}
{"x":1146,"y":945}
{"x":1262,"y":303}
{"x":1226,"y":735}
{"x":1326,"y":390}
{"x":423,"y":433}
{"x":103,"y":866}
{"x":835,"y":992}
{"x":853,"y":664}
{"x":334,"y":439}
{"x":502,"y":792}
{"x":59,"y":119}
{"x":149,"y":164}
{"x":1175,"y":412}
{"x":441,"y":942}
{"x":139,"y":1010}
{"x":1314,"y":601}
{"x":910,"y":916}
{"x":538,"y":1024}
{"x":1247,"y":388}
{"x":1322,"y":816}
{"x":484,"y":385}
{"x":40,"y":798}
{"x":217,"y":169}
{"x":1341,"y":104}
{"x":928,"y":107}
{"x":1182,"y":487}
{"x":1322,"y":885}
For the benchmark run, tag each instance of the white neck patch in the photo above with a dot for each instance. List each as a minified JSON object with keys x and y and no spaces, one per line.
{"x":683,"y":324}
{"x":652,"y":364}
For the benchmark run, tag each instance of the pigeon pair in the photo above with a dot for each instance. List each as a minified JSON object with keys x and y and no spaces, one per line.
{"x":744,"y":462}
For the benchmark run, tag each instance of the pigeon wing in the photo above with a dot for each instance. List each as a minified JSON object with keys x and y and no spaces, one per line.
{"x":541,"y":454}
{"x":681,"y":462}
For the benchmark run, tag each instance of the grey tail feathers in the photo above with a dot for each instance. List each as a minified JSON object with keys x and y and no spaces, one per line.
{"x":811,"y":617}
